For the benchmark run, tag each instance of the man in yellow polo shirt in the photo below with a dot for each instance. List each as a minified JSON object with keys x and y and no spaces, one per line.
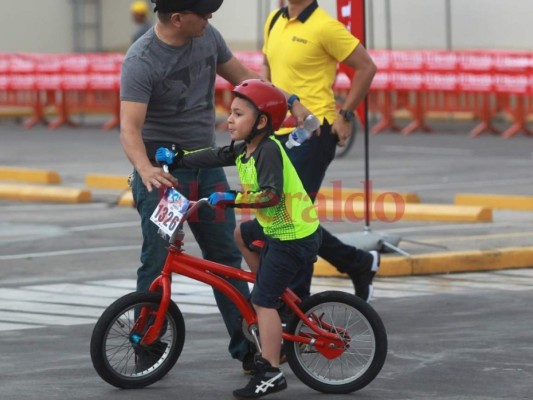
{"x":303,"y":45}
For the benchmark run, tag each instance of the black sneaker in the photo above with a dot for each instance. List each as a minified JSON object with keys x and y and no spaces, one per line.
{"x":147,"y":356}
{"x":363,"y":281}
{"x":267,"y":380}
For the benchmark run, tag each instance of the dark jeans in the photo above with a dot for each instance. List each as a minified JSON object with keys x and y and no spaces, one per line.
{"x":214,"y":237}
{"x":311,"y":160}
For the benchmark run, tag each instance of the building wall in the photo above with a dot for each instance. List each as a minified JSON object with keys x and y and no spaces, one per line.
{"x":39,"y":26}
{"x":46,"y":25}
{"x":484,"y":24}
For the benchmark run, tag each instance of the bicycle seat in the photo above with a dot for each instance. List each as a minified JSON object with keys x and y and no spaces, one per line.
{"x":257,"y":245}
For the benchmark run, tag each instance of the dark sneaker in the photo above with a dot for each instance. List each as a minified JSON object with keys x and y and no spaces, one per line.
{"x":363,"y":281}
{"x":147,"y":356}
{"x":267,"y":380}
{"x":248,"y":364}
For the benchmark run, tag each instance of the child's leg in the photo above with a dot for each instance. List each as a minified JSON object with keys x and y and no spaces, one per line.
{"x":251,"y":257}
{"x":280,"y":262}
{"x":270,"y":333}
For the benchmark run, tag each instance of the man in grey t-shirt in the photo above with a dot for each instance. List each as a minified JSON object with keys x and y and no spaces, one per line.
{"x":167,"y":99}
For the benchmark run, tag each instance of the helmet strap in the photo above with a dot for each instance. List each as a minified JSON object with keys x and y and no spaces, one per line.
{"x":255,"y":130}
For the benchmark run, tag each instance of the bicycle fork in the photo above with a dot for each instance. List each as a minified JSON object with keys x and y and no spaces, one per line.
{"x":254,"y":331}
{"x":153,"y":332}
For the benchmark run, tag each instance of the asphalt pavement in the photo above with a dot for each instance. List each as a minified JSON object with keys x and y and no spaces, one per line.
{"x":452,"y":336}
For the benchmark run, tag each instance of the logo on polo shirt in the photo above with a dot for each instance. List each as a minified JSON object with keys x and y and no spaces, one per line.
{"x":300,"y":40}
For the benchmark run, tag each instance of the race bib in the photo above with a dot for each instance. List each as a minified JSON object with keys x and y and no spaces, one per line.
{"x":170,"y":210}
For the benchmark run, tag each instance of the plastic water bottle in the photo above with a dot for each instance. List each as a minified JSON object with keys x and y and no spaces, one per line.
{"x":300,"y":135}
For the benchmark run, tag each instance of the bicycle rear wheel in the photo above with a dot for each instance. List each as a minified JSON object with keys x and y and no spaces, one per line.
{"x":116,"y":350}
{"x":358,"y":326}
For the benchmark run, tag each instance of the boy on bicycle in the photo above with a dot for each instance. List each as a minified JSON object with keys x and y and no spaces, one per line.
{"x":285,"y":215}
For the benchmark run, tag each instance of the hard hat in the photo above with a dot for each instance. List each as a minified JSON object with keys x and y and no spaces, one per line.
{"x":139,"y":7}
{"x":266,"y":97}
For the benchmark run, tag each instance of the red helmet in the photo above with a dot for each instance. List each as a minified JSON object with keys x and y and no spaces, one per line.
{"x":267,"y":98}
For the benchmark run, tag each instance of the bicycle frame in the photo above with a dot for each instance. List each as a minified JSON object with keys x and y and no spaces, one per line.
{"x":213,"y":274}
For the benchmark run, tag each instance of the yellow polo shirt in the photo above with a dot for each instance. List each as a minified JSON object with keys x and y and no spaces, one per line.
{"x":303,"y":54}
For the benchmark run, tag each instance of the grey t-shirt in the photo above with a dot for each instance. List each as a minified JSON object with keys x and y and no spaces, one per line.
{"x":178,"y":84}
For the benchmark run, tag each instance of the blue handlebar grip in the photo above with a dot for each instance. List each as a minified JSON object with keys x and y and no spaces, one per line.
{"x":164,"y":155}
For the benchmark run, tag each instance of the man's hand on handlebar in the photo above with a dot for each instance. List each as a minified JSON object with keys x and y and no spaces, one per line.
{"x":155,"y":177}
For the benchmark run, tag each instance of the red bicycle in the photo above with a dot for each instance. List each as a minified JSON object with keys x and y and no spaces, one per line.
{"x":334,"y":342}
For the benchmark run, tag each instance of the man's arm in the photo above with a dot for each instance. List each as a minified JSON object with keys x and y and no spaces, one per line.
{"x":365,"y":69}
{"x":265,"y":70}
{"x":234,"y":72}
{"x":132,"y":117}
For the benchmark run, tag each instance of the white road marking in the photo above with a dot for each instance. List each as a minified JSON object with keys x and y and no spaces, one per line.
{"x":64,"y":304}
{"x":466,"y":185}
{"x":86,"y":228}
{"x":427,"y":150}
{"x":15,"y":327}
{"x":36,"y":306}
{"x":44,"y":319}
{"x":68,"y":252}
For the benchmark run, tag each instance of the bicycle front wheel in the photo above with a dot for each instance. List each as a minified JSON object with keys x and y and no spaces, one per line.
{"x":116,"y":350}
{"x":358,"y":326}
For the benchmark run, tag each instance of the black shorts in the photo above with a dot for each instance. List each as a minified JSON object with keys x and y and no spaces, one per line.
{"x":280,"y":262}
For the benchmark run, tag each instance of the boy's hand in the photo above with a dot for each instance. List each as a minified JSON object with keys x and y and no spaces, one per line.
{"x":221,"y":198}
{"x":164,"y":155}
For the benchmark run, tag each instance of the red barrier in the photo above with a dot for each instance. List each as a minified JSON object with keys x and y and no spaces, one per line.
{"x":511,"y":84}
{"x":64,"y":85}
{"x":483,"y":83}
{"x":381,"y":99}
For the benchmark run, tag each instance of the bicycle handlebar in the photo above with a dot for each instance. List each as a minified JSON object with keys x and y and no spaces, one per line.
{"x":193,"y":205}
{"x":196,"y":204}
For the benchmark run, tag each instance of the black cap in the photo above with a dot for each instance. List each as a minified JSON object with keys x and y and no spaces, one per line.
{"x":196,"y":6}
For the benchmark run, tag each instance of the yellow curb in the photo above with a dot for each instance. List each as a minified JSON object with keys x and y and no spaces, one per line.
{"x":391,"y":212}
{"x":96,"y":181}
{"x":438,"y":115}
{"x":126,"y":199}
{"x":344,"y":193}
{"x":16,"y":112}
{"x":332,"y":211}
{"x":29,"y":175}
{"x":44,"y":194}
{"x":523,"y":203}
{"x":443,"y":263}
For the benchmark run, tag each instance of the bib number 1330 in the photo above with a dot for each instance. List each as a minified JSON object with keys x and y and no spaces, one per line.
{"x":168,"y":213}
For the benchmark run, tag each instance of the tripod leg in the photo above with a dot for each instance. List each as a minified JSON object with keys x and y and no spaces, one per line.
{"x":396,"y":249}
